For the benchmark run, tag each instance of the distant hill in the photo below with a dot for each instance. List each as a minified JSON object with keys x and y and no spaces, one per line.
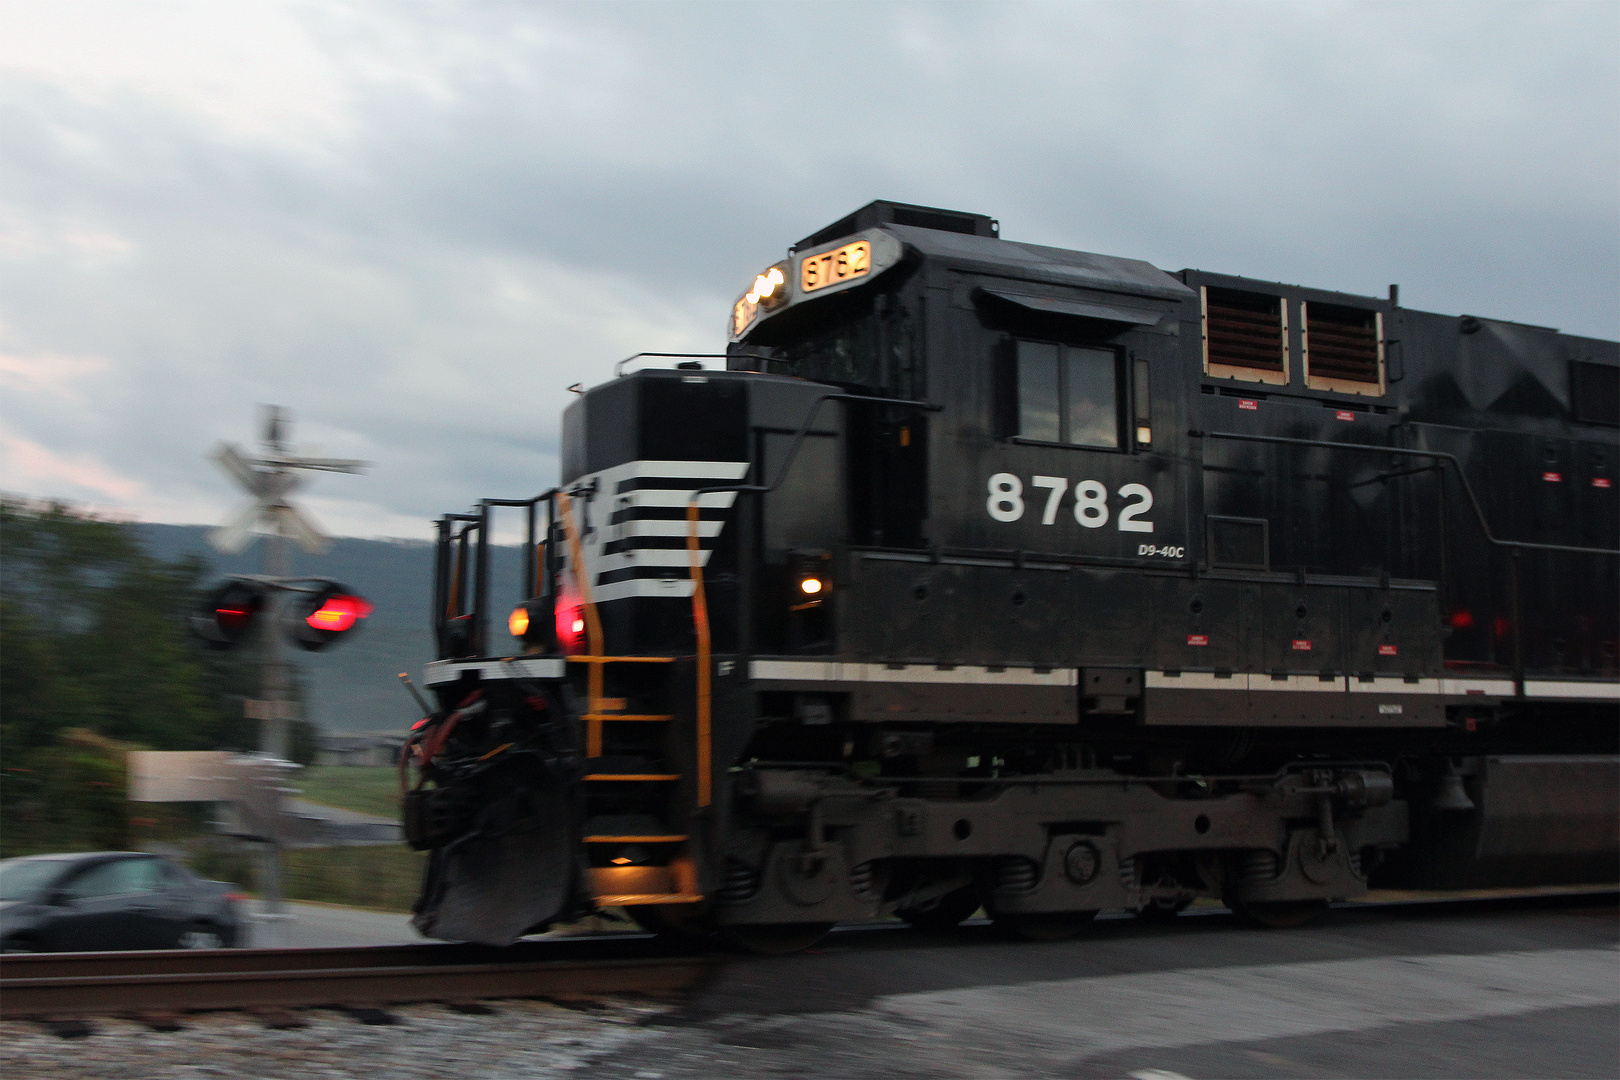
{"x":353,"y":684}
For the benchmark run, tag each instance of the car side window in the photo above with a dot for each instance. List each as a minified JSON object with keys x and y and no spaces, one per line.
{"x":171,"y":876}
{"x":114,"y":879}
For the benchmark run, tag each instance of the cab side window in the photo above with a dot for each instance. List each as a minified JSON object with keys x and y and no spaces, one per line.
{"x":1067,"y":394}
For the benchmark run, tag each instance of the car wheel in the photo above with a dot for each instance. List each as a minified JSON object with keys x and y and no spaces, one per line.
{"x":202,"y":936}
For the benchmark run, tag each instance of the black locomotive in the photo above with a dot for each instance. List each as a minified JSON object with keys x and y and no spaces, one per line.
{"x":979,"y":573}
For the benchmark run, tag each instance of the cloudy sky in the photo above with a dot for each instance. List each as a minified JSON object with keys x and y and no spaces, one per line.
{"x":416,"y":223}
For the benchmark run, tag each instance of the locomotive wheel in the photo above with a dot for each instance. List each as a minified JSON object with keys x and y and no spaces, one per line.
{"x":945,"y":915}
{"x":776,"y":939}
{"x":1279,"y":914}
{"x":1044,"y":925}
{"x":677,"y":921}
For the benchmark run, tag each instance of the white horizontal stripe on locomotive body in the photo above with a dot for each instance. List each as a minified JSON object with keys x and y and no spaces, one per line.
{"x":836,"y":671}
{"x":1380,"y":684}
{"x":673,"y":469}
{"x":648,"y":527}
{"x":445,"y":671}
{"x":608,"y":500}
{"x":1488,"y":687}
{"x":1602,"y":691}
{"x":1262,"y":682}
{"x":668,"y":497}
{"x":680,"y":557}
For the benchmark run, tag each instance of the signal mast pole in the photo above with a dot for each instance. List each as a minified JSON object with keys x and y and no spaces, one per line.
{"x":274,"y":728}
{"x":270,"y":481}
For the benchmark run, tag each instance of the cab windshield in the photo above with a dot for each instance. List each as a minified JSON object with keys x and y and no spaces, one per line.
{"x":866,"y":345}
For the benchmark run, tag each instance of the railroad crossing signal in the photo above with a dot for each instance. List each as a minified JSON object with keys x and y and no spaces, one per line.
{"x":319,"y":612}
{"x":269,"y":481}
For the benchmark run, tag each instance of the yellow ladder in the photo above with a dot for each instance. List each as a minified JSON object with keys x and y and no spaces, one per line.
{"x":629,"y":885}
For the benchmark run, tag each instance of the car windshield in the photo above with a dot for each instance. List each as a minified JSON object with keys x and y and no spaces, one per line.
{"x":21,"y":879}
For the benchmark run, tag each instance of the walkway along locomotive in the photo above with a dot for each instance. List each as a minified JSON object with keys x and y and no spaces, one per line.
{"x":986,"y":573}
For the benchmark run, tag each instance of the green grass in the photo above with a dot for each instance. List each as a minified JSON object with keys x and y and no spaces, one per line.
{"x":379,"y":876}
{"x":362,"y":788}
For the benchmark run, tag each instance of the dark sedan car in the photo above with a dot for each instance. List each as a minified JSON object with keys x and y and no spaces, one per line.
{"x":112,"y":900}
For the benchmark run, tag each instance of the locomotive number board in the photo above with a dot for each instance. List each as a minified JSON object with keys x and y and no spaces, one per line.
{"x":836,"y":266}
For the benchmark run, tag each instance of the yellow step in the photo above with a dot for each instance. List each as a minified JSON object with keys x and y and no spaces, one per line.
{"x":620,"y":659}
{"x":635,"y":899}
{"x":634,"y":839}
{"x":633,"y":776}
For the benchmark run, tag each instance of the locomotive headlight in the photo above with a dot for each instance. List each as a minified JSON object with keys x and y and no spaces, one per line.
{"x":770,"y":289}
{"x":518,"y":621}
{"x":811,"y":586}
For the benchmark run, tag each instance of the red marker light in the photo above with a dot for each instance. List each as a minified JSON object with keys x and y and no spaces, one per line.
{"x":571,"y":628}
{"x":339,"y":613}
{"x":1461,"y":619}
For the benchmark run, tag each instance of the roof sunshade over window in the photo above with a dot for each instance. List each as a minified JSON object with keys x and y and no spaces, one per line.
{"x":1343,"y":348}
{"x":1245,"y":336}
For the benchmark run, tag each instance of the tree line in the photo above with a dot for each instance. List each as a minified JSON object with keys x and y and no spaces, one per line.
{"x":96,"y":659}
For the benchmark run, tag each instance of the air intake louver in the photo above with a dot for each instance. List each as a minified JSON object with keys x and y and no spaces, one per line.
{"x":1341,"y":343}
{"x":1245,"y":330}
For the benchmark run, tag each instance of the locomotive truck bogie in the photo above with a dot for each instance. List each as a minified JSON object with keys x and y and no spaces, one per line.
{"x":988,"y":574}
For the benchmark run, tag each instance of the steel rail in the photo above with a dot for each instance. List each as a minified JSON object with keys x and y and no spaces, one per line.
{"x":39,"y":985}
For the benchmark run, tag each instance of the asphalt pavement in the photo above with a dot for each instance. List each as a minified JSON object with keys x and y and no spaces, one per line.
{"x":1498,"y":990}
{"x":323,"y":926}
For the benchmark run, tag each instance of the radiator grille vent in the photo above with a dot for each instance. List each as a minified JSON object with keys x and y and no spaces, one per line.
{"x":1341,"y":343}
{"x":1597,"y":392}
{"x":1244,"y":329}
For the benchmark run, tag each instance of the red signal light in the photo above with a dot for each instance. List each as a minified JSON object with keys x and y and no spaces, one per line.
{"x":320,"y":617}
{"x":226,"y":617}
{"x":233,"y":618}
{"x":1461,"y":619}
{"x":339,"y":613}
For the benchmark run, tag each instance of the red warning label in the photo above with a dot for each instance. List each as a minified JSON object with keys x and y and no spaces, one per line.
{"x":1602,"y":482}
{"x":1301,"y":645}
{"x":1345,"y":414}
{"x":1552,"y":477}
{"x":1198,"y":639}
{"x":1248,"y":403}
{"x":1386,"y":650}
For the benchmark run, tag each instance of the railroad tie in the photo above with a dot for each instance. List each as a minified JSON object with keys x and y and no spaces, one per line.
{"x":276,"y":1018}
{"x":67,"y":1027}
{"x":368,"y":1014}
{"x":157,"y":1019}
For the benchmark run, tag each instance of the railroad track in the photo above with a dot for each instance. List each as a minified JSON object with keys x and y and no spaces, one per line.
{"x":47,"y":984}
